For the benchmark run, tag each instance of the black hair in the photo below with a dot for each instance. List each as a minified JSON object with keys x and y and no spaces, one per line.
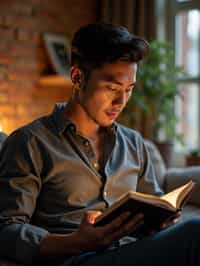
{"x":99,"y":43}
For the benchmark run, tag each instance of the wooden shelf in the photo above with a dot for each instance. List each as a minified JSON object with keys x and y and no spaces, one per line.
{"x":55,"y":81}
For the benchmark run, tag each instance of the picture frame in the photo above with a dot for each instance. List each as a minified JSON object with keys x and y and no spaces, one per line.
{"x":58,"y":50}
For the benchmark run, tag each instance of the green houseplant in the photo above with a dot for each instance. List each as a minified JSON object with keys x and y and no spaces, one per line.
{"x":151,"y":107}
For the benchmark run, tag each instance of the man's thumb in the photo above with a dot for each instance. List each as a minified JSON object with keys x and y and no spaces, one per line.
{"x":90,"y":216}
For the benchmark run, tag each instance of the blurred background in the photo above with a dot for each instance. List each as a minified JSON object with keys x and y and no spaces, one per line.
{"x":166,"y":105}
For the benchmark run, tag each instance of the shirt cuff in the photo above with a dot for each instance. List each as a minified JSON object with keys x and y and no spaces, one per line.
{"x":22,"y":242}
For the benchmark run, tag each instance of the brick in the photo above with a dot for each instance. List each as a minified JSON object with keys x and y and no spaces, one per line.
{"x":25,"y":75}
{"x":28,"y":65}
{"x":35,"y":4}
{"x":48,"y":13}
{"x":3,"y":73}
{"x":5,"y":46}
{"x":5,"y":58}
{"x":17,"y":21}
{"x":21,"y":93}
{"x":49,"y":93}
{"x":7,"y":110}
{"x":5,"y":5}
{"x":21,"y":8}
{"x":50,"y":8}
{"x":25,"y":50}
{"x":25,"y":35}
{"x":6,"y":34}
{"x":23,"y":109}
{"x":48,"y":24}
{"x":21,"y":99}
{"x":3,"y":98}
{"x":5,"y":86}
{"x":2,"y":20}
{"x":16,"y":7}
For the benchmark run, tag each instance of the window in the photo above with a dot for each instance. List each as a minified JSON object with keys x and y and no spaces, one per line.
{"x":182,"y":28}
{"x":183,"y":0}
{"x":187,"y":45}
{"x":187,"y":30}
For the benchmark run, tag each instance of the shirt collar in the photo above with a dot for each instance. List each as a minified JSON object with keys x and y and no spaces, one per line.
{"x":62,"y":122}
{"x":59,"y":118}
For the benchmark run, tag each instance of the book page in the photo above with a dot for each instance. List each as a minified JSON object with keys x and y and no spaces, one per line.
{"x":171,"y":201}
{"x":177,"y":196}
{"x":152,"y":199}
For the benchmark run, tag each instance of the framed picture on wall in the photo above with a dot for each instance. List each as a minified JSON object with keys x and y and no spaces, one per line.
{"x":58,"y":50}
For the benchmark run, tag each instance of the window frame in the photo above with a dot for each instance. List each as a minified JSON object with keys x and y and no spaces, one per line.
{"x":166,"y":11}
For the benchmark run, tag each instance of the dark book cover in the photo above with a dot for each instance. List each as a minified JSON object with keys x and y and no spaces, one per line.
{"x":154,"y":216}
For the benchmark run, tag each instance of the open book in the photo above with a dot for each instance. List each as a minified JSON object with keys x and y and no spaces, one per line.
{"x":156,"y":209}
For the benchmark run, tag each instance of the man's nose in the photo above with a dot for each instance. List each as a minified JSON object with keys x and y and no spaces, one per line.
{"x":120,"y":99}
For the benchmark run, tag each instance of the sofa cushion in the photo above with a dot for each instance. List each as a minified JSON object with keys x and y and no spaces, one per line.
{"x":176,"y":177}
{"x":189,"y":211}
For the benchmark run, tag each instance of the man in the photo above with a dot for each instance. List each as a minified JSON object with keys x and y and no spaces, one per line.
{"x":60,"y":171}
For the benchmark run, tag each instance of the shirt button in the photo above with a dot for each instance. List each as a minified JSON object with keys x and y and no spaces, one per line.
{"x":86,"y":143}
{"x":105,"y":194}
{"x":96,"y":165}
{"x":72,"y":128}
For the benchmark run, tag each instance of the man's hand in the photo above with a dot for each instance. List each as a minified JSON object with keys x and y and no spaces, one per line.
{"x":168,"y":223}
{"x":88,"y":237}
{"x":92,"y":237}
{"x":171,"y":222}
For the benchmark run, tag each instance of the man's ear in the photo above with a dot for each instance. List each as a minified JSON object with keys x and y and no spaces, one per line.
{"x":76,"y":75}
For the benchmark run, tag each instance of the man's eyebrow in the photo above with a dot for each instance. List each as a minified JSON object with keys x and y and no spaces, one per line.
{"x":110,"y":78}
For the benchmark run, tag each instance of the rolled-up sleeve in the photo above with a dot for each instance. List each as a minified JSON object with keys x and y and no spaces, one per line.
{"x":20,"y":185}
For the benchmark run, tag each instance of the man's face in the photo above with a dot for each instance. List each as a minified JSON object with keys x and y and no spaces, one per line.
{"x":107,"y":91}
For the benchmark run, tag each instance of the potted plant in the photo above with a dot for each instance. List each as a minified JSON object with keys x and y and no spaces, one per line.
{"x":193,"y":158}
{"x":151,"y":107}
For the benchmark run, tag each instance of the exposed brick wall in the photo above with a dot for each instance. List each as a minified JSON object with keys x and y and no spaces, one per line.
{"x":23,"y":58}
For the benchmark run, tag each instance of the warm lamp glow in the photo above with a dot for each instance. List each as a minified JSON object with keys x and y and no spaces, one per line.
{"x":1,"y":128}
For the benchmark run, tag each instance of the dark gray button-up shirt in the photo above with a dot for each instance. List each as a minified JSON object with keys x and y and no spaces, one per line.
{"x":49,"y":178}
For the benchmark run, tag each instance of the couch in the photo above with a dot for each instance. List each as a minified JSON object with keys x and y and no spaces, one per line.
{"x":168,"y":180}
{"x":171,"y":178}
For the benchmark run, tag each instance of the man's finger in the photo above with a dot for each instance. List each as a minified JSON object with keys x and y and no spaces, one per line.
{"x":168,"y":224}
{"x":116,"y":223}
{"x":92,"y":215}
{"x":172,"y":221}
{"x":133,"y":224}
{"x":128,"y":228}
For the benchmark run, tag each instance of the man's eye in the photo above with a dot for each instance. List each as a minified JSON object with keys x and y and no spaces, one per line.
{"x":112,"y":89}
{"x":129,"y":90}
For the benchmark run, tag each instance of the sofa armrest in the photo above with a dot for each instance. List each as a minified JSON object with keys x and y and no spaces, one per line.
{"x":175,"y":177}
